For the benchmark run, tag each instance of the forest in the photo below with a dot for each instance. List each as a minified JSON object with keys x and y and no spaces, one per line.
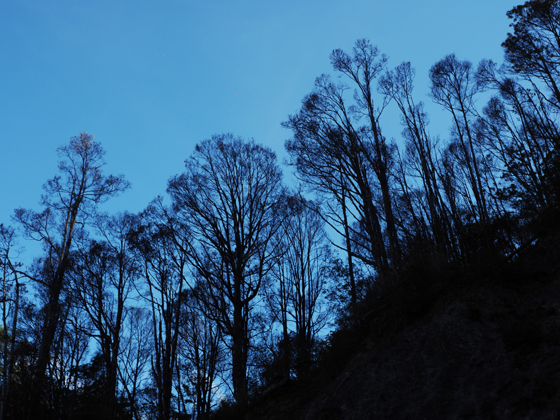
{"x":233,"y":283}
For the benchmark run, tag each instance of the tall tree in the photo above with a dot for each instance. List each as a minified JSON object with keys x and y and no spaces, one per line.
{"x":533,"y":49}
{"x":202,"y":351}
{"x":228,"y":200}
{"x":427,"y":209}
{"x":339,"y":150}
{"x":521,"y":122}
{"x":363,"y":68}
{"x":104,"y":273}
{"x":134,"y":357}
{"x":69,"y":199}
{"x":453,"y":86}
{"x":163,"y":263}
{"x":519,"y":130}
{"x":10,"y":309}
{"x":296,"y":296}
{"x":68,"y":356}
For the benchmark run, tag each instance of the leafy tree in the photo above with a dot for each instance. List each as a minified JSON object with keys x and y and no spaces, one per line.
{"x":521,"y":121}
{"x":519,"y":130}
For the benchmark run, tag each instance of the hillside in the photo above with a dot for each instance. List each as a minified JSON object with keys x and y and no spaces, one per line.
{"x":479,"y":345}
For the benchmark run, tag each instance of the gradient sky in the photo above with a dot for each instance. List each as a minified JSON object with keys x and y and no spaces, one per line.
{"x":150,"y":79}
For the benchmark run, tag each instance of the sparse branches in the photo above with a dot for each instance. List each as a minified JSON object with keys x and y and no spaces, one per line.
{"x":339,"y":151}
{"x":420,"y":162}
{"x":10,"y":309}
{"x":453,"y":86}
{"x":228,"y":200}
{"x":203,"y":354}
{"x":296,"y":296}
{"x":68,"y":199}
{"x":163,"y":268}
{"x":533,"y":49}
{"x":104,"y":273}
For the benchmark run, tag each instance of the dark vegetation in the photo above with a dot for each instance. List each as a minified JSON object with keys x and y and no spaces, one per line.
{"x":476,"y":345}
{"x":440,"y":279}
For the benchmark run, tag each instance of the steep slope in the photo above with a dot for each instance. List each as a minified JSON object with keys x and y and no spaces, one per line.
{"x":479,"y":346}
{"x":490,"y":354}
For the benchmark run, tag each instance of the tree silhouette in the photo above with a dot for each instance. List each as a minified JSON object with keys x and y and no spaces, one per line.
{"x":228,"y":200}
{"x":69,"y":199}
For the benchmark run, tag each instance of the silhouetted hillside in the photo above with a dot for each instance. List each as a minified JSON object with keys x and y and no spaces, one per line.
{"x":479,"y":345}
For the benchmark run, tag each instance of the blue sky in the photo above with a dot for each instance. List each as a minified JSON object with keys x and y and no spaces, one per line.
{"x":150,"y":79}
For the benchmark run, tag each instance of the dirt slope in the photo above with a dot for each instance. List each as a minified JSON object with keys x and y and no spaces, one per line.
{"x":481,"y":349}
{"x":493,"y":353}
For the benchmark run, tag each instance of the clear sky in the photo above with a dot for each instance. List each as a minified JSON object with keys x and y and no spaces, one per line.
{"x":151,"y":78}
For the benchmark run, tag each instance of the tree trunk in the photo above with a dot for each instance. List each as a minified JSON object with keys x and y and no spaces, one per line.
{"x":239,"y":358}
{"x":10,"y":364}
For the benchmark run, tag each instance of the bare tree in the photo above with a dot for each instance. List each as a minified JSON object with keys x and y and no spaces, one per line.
{"x":103,"y":274}
{"x":163,"y":270}
{"x":203,"y":354}
{"x":134,"y":356}
{"x":339,"y":151}
{"x":427,"y":209}
{"x":363,"y":68}
{"x":69,"y":199}
{"x":453,"y":86}
{"x":68,"y":354}
{"x":228,"y":200}
{"x":296,"y":296}
{"x":10,"y":308}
